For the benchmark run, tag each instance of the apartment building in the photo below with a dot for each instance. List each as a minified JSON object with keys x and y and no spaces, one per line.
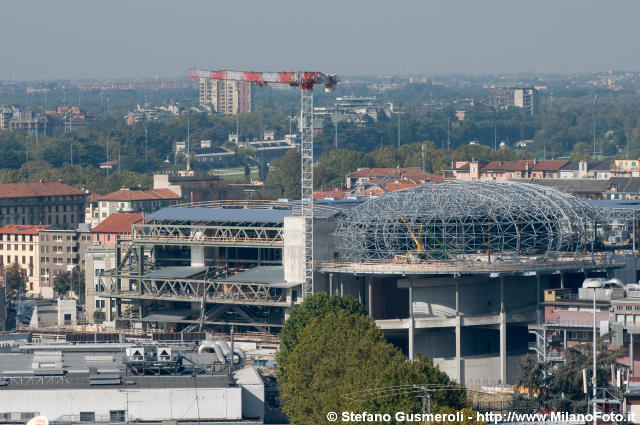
{"x":225,"y":97}
{"x":61,"y":250}
{"x":50,"y":203}
{"x":101,"y":256}
{"x":20,"y":244}
{"x":135,"y":200}
{"x":525,"y":98}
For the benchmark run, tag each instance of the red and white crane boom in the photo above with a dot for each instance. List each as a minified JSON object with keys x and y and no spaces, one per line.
{"x":306,"y":81}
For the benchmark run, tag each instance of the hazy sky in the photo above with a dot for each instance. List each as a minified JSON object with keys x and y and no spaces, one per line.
{"x":141,"y":38}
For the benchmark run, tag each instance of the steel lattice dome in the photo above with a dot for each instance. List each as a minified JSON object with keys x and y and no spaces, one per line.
{"x":449,"y":220}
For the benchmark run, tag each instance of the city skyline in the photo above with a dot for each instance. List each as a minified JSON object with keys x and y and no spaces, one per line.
{"x":82,"y":40}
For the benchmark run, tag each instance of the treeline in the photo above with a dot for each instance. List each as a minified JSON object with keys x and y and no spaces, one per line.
{"x":331,"y":168}
{"x":90,"y":178}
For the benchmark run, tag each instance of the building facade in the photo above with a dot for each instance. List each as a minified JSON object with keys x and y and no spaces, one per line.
{"x":133,"y":200}
{"x":20,"y":244}
{"x":52,"y":203}
{"x":61,"y":251}
{"x":525,"y":98}
{"x":225,"y":96}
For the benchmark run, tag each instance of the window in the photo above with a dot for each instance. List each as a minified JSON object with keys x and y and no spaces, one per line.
{"x":629,"y":307}
{"x":116,"y":416}
{"x":87,"y":416}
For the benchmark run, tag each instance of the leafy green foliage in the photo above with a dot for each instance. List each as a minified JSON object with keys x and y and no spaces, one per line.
{"x":69,"y":281}
{"x":286,"y":174}
{"x":15,"y":278}
{"x":62,"y":283}
{"x":314,"y":306}
{"x":342,"y":353}
{"x":563,"y":390}
{"x":98,"y":316}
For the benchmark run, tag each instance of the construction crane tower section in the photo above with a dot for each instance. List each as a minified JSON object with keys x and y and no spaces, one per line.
{"x":306,"y":81}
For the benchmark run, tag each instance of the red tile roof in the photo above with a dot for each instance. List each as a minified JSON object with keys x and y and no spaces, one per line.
{"x":22,"y":229}
{"x":549,"y":165}
{"x":27,"y":190}
{"x":118,"y":223}
{"x":140,"y":195}
{"x":519,"y":165}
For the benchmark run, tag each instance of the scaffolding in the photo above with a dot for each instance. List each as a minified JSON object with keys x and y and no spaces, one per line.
{"x":481,"y":221}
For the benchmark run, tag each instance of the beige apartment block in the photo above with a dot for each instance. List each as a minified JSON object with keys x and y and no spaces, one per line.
{"x":21,"y":244}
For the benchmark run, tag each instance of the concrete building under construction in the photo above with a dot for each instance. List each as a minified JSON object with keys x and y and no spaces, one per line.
{"x":454,"y":270}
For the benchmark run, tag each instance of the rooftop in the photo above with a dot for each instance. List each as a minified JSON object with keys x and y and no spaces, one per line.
{"x":118,"y":223}
{"x":27,"y":190}
{"x":22,"y":229}
{"x":140,"y":195}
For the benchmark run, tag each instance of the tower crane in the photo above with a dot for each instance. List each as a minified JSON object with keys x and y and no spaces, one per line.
{"x":306,"y":81}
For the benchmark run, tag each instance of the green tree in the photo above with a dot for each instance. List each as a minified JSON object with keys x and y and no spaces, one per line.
{"x":98,"y":316}
{"x":286,"y":174}
{"x":343,"y":353}
{"x":531,"y":375}
{"x":314,"y":306}
{"x":580,"y":152}
{"x":62,"y":283}
{"x":15,"y":278}
{"x":77,"y":283}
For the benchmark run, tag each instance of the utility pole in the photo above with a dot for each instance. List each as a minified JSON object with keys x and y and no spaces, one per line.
{"x":335,"y":137}
{"x":188,"y":142}
{"x":423,"y":158}
{"x":108,"y":165}
{"x":448,"y":139}
{"x":595,"y":98}
{"x":146,"y":157}
{"x":398,"y":128}
{"x":595,"y":381}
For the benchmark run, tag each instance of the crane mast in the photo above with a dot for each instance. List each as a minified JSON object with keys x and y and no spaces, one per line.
{"x":306,"y":81}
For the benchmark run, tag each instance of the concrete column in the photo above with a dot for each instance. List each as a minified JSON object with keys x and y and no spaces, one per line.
{"x":538,"y":292}
{"x":109,"y":310}
{"x":561,"y":280}
{"x":370,"y":297}
{"x":197,"y":256}
{"x":459,"y":376}
{"x":341,"y":288}
{"x":503,"y":335}
{"x":411,"y":323}
{"x":360,"y":290}
{"x":564,"y":342}
{"x":330,"y":284}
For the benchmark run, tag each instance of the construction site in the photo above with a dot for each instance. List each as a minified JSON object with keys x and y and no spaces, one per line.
{"x":455,"y":270}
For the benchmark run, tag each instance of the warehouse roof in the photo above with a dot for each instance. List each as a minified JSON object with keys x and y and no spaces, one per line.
{"x":220,"y":214}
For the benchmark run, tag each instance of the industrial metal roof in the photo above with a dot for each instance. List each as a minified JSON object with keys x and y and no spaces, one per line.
{"x":262,"y":215}
{"x":272,"y":275}
{"x":175,"y":272}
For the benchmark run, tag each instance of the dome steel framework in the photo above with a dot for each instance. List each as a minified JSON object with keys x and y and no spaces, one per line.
{"x":456,"y":220}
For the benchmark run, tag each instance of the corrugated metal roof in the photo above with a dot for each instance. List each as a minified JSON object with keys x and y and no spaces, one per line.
{"x":220,"y":214}
{"x":272,"y":275}
{"x":175,"y":272}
